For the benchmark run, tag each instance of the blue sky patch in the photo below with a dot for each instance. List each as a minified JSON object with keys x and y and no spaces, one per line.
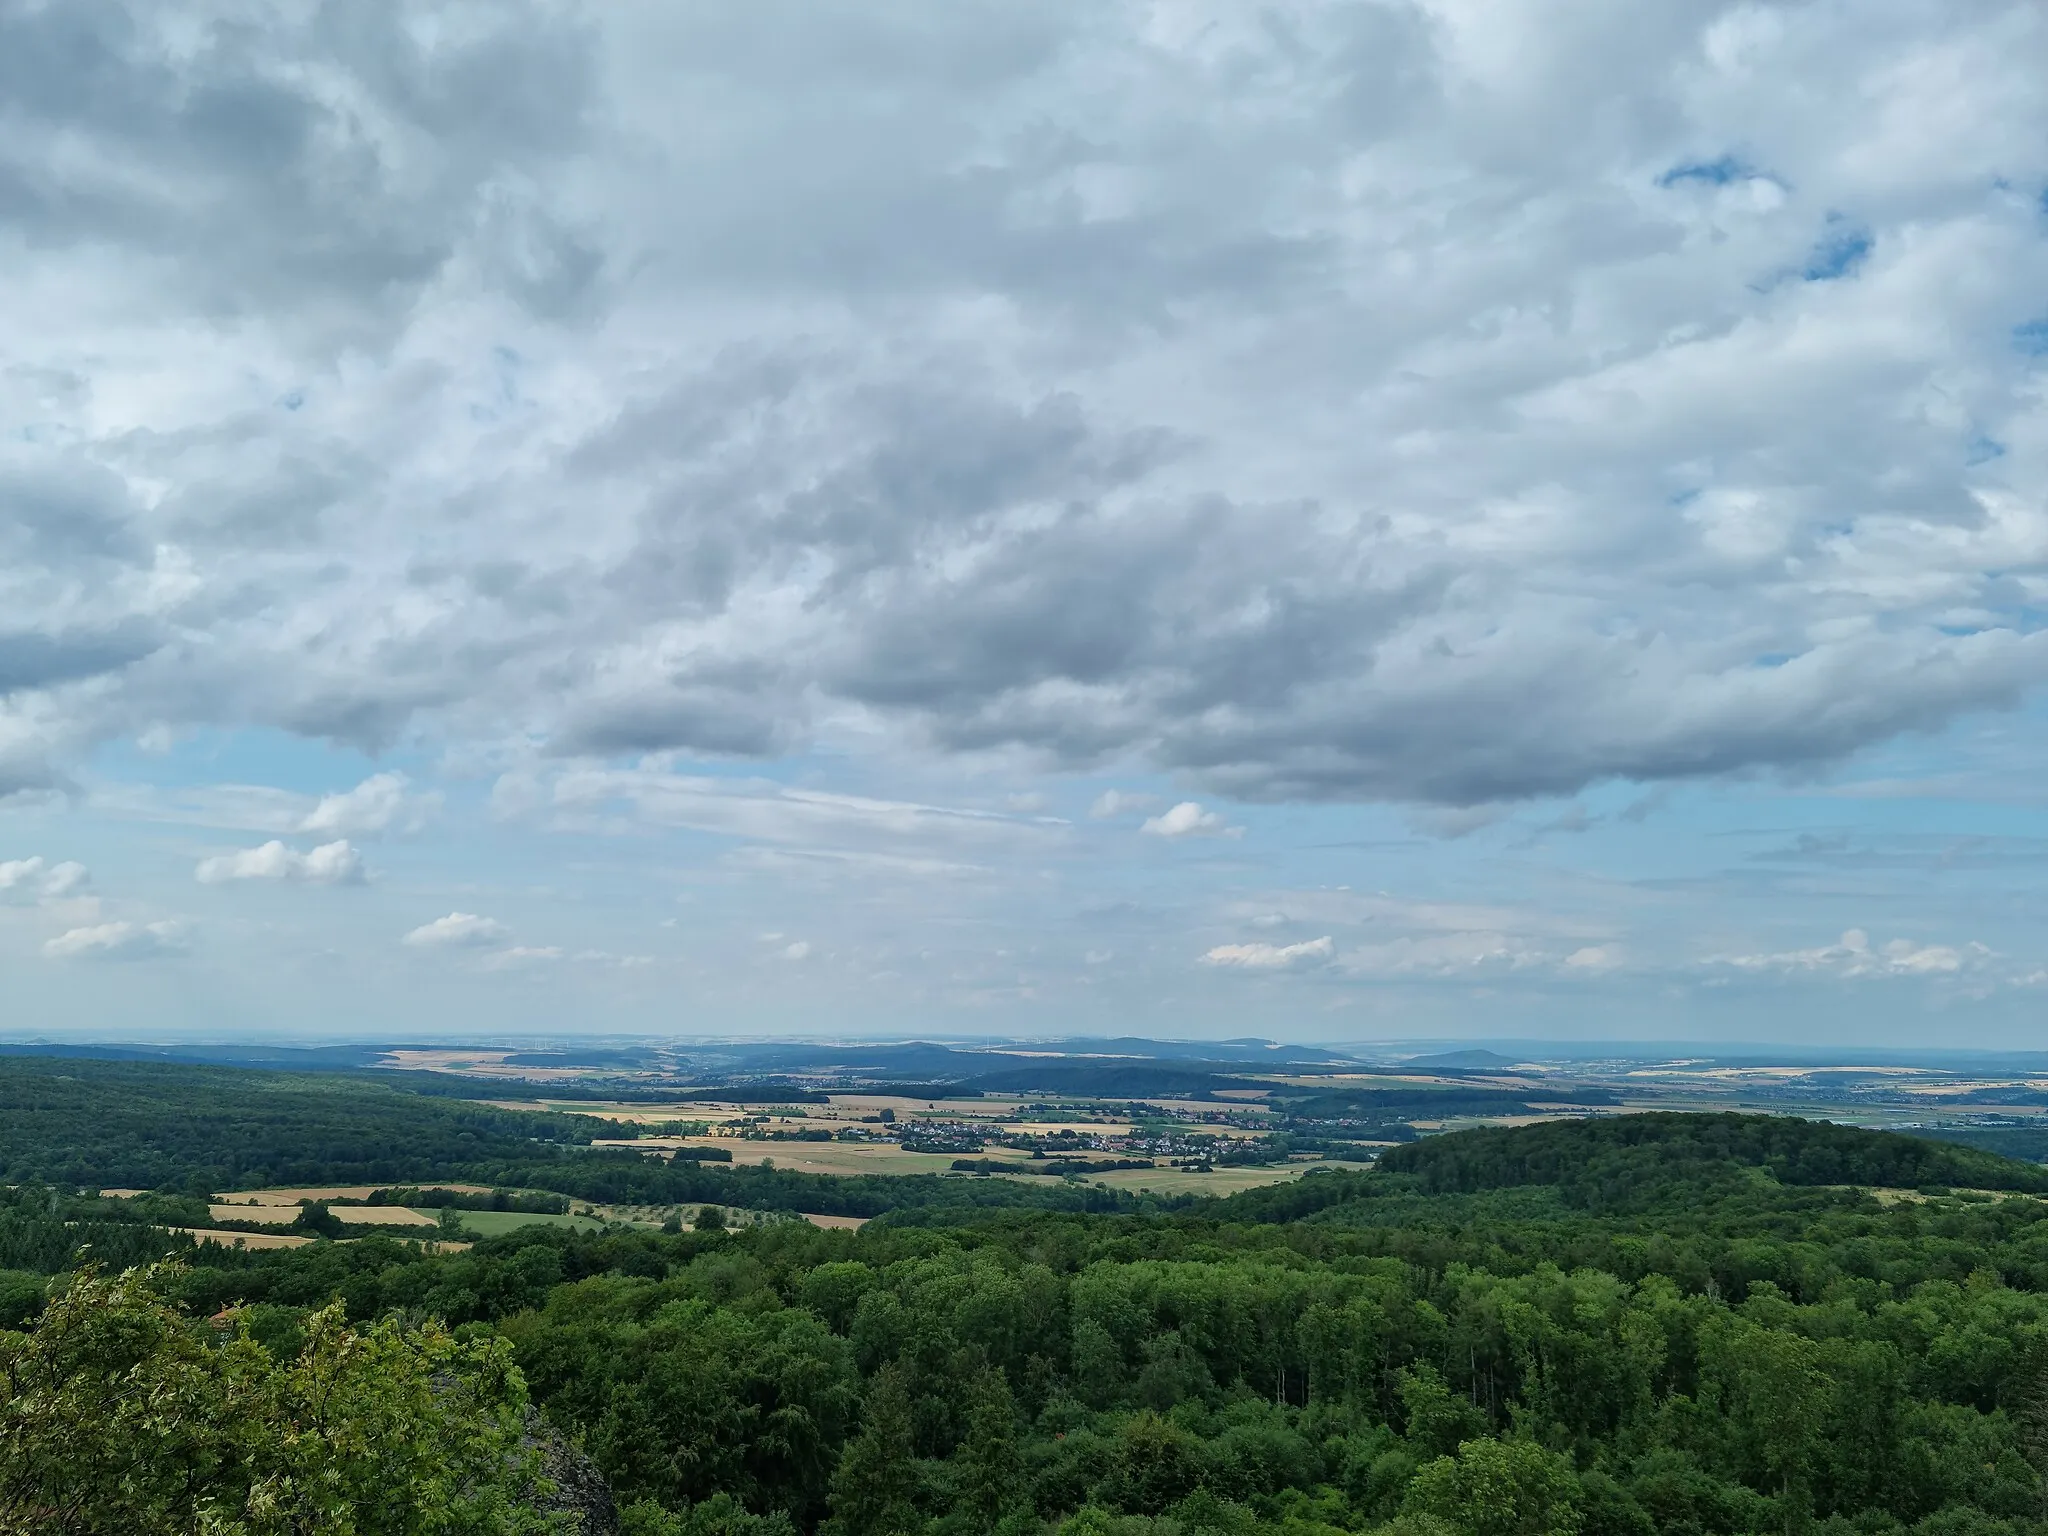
{"x":1839,"y":253}
{"x":1713,"y":173}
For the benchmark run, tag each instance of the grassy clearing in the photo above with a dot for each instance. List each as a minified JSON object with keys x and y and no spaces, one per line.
{"x":381,"y":1216}
{"x":493,"y":1223}
{"x":1918,"y":1197}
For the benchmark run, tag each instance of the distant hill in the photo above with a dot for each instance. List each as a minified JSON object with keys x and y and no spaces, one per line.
{"x":1461,"y":1061}
{"x":295,"y":1058}
{"x":581,"y":1058}
{"x":1629,"y":1160}
{"x":1111,"y":1080}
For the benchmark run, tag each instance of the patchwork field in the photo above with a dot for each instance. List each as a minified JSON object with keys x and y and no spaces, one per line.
{"x":835,"y":1157}
{"x":280,"y":1207}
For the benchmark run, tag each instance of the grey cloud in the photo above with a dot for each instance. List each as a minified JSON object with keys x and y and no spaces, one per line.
{"x":660,"y":719}
{"x":894,"y":151}
{"x":337,"y":154}
{"x":1321,"y":406}
{"x":59,"y":510}
{"x":37,"y":660}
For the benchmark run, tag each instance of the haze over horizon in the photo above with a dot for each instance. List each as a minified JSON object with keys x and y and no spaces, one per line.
{"x":1331,"y":522}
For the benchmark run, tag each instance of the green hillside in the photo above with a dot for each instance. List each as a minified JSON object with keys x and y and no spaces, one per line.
{"x":1634,"y":1160}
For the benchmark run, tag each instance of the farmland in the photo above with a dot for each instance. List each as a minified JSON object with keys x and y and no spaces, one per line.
{"x":831,"y":1136}
{"x":1316,"y":1397}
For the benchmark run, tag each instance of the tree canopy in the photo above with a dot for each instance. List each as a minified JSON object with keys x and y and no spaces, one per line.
{"x":1618,"y":1328}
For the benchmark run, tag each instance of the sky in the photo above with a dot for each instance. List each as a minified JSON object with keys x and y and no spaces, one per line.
{"x":1329,"y":521}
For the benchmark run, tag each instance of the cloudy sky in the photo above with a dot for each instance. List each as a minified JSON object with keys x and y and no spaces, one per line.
{"x":1334,"y":521}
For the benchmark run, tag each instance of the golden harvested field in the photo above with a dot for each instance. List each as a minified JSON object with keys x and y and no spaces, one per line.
{"x":331,"y":1192}
{"x":249,"y":1240}
{"x":373,"y":1215}
{"x":837,"y":1223}
{"x":1224,"y":1181}
{"x":273,"y":1213}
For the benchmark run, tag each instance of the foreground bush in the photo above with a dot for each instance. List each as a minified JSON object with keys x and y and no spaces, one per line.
{"x":120,"y":1416}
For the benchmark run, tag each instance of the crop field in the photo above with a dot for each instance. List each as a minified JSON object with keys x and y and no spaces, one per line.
{"x":249,"y":1240}
{"x":1185,"y":1181}
{"x":325,"y":1192}
{"x":845,"y":1158}
{"x":359,"y":1215}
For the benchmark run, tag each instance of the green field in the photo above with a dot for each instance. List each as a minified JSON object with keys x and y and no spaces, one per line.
{"x":495,"y":1223}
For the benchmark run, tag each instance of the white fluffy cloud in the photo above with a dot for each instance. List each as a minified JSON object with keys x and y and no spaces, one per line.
{"x":1188,"y":819}
{"x":38,"y":878}
{"x":516,"y":955}
{"x":117,"y":941}
{"x":1854,"y":956}
{"x":1272,"y":957}
{"x":1342,"y":402}
{"x":1117,"y":802}
{"x":458,"y":930}
{"x":1593,"y":959}
{"x":380,"y":803}
{"x":335,"y":863}
{"x":754,"y":809}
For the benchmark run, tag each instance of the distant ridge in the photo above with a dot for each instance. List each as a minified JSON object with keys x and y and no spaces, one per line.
{"x":1613,"y":1162}
{"x":1467,"y":1060}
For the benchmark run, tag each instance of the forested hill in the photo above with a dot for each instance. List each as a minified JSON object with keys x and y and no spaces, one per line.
{"x":151,"y":1124}
{"x":1633,"y":1160}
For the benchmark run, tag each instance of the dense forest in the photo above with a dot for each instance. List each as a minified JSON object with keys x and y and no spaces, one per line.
{"x":1614,"y":1328}
{"x":1640,"y":1158}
